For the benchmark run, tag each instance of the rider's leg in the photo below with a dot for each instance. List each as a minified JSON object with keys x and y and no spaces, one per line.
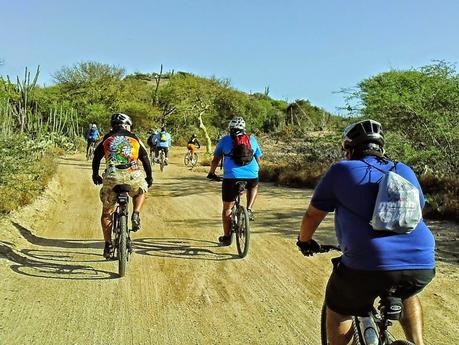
{"x":106,"y":221}
{"x":251,"y":196}
{"x":88,"y":143}
{"x":138,"y":201}
{"x":412,"y":321}
{"x":339,"y":328}
{"x":226,"y":217}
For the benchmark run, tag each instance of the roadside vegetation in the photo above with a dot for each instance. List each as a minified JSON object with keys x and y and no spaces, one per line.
{"x":418,"y":108}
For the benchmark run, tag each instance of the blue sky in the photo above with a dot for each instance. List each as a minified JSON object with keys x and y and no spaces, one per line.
{"x":301,"y":49}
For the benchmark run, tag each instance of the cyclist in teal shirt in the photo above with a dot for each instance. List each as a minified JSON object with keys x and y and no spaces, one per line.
{"x":373,"y":262}
{"x":234,"y":170}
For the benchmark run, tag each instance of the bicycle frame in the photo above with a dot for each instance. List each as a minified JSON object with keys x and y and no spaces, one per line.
{"x":371,"y":329}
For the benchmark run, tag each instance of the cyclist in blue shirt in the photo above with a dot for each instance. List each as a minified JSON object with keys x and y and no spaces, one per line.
{"x":163,"y":142}
{"x":237,"y":166}
{"x":372,"y":261}
{"x":92,"y":135}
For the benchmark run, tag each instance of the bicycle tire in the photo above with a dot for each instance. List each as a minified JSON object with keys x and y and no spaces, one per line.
{"x":323,"y":325}
{"x":187,"y":159}
{"x":242,"y":232}
{"x":401,"y":342}
{"x":357,"y":337}
{"x":194,"y":159}
{"x":152,"y":154}
{"x":122,"y":246}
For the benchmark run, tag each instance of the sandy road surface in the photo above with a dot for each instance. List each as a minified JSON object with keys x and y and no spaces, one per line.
{"x":56,"y":288}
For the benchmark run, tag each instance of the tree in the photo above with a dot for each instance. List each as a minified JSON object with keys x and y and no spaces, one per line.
{"x":419,"y":108}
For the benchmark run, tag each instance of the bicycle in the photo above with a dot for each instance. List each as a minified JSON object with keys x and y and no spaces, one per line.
{"x":190,"y":160}
{"x":122,"y":241}
{"x":240,"y":223}
{"x":91,"y":149}
{"x":374,"y":328}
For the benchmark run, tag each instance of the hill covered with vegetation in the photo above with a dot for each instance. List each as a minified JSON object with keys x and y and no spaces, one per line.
{"x":418,"y":108}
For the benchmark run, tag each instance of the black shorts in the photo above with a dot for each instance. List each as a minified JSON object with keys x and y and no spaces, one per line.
{"x":352,"y":292}
{"x":229,"y":190}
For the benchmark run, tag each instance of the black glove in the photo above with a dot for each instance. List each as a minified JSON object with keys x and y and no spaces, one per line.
{"x":97,"y":179}
{"x":308,"y":248}
{"x":149,"y":181}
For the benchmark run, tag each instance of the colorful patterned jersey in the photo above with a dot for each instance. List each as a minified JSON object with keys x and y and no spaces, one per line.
{"x":123,"y":150}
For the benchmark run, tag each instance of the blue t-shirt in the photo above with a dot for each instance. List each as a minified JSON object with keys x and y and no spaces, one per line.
{"x":230,"y":168}
{"x":166,"y":143}
{"x":349,"y":188}
{"x":93,"y":134}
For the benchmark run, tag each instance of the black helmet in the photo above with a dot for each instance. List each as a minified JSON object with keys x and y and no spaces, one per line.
{"x":193,"y":136}
{"x":120,"y":119}
{"x":363,"y":132}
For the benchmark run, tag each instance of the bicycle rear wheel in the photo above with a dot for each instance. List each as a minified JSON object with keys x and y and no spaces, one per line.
{"x":323,"y":325}
{"x":401,"y":342}
{"x":187,"y":159}
{"x":122,"y":246}
{"x":242,"y":232}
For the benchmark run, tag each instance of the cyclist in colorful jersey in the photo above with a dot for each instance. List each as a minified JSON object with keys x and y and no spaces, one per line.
{"x":92,"y":135}
{"x":235,"y":170}
{"x":192,"y":143}
{"x":372,"y":261}
{"x":163,"y":142}
{"x":122,"y":151}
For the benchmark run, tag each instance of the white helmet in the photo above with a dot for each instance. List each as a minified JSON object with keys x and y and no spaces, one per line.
{"x":93,"y":125}
{"x":363,"y":132}
{"x":237,"y":123}
{"x":120,"y":119}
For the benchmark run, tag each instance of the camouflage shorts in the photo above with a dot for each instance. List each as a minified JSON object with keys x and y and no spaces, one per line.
{"x":136,"y":179}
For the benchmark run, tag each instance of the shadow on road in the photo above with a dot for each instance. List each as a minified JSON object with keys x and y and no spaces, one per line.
{"x":181,"y":248}
{"x":31,"y":267}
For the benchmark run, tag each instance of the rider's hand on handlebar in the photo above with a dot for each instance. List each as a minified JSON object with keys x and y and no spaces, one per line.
{"x":149,"y":181}
{"x":308,"y":248}
{"x":97,"y":179}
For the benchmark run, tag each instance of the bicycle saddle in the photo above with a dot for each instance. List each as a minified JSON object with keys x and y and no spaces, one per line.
{"x":122,"y":188}
{"x":391,"y":307}
{"x":240,"y":185}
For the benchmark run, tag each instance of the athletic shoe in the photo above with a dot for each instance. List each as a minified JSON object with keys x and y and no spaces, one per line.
{"x":108,"y":250}
{"x":135,"y":220}
{"x":225,"y":240}
{"x":250,"y":212}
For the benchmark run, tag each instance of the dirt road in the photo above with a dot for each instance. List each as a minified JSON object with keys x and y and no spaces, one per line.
{"x":181,"y":288}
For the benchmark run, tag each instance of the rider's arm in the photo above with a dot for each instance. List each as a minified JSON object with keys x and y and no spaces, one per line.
{"x":214,"y":164}
{"x":98,"y":154}
{"x":143,"y":156}
{"x":311,"y":220}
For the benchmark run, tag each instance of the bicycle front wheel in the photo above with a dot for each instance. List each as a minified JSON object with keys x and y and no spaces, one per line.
{"x":194,"y":159}
{"x":242,"y":232}
{"x":122,"y":246}
{"x":402,"y":342}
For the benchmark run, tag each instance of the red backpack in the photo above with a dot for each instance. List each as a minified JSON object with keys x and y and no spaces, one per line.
{"x":242,"y":153}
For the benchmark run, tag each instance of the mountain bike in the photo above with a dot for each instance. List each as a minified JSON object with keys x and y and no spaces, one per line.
{"x":240,"y":224}
{"x":122,"y":241}
{"x":374,"y":328}
{"x":91,"y":149}
{"x":190,"y":160}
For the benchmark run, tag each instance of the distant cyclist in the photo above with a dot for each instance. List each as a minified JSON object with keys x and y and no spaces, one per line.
{"x":372,"y":261}
{"x":241,"y":159}
{"x":92,"y":135}
{"x":163,"y":143}
{"x":122,"y":151}
{"x":192,"y":143}
{"x":152,"y":140}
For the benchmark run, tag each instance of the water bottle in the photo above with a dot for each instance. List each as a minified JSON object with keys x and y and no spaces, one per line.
{"x":369,"y":330}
